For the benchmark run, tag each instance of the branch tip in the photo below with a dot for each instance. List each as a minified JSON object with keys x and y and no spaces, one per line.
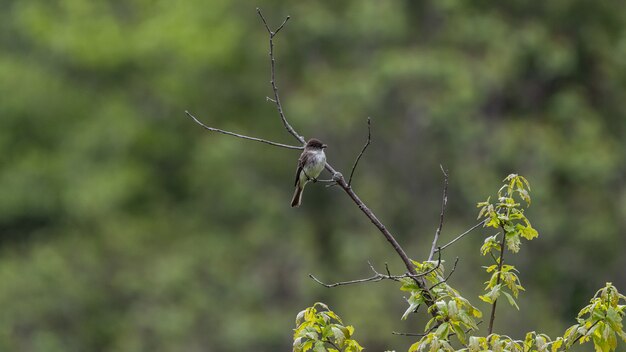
{"x":367,"y":143}
{"x":213,"y":129}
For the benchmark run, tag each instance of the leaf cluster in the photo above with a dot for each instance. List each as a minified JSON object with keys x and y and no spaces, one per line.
{"x":454,"y":316}
{"x":319,"y":329}
{"x":452,"y":313}
{"x":507,"y":215}
{"x":508,"y":279}
{"x":600,"y":321}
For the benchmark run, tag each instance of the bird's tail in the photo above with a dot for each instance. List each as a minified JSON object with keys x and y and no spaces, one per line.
{"x":297,"y":196}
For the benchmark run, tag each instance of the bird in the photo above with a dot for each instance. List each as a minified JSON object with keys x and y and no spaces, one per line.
{"x":310,"y":164}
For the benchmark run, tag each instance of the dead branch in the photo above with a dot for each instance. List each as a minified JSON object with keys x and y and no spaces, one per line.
{"x":336,"y":176}
{"x":379,"y":277}
{"x":212,"y":129}
{"x":276,"y":99}
{"x":444,"y":202}
{"x":356,"y":162}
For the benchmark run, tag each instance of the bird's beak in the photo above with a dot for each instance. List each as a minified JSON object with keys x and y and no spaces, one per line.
{"x":324,"y":146}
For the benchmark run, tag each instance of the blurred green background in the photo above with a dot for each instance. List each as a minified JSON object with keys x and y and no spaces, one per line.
{"x":124,"y":226}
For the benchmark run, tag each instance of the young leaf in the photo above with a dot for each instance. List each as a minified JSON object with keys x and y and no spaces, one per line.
{"x":510,"y":299}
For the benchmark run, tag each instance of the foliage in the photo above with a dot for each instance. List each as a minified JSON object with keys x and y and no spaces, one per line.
{"x":319,"y":329}
{"x":600,"y":321}
{"x":506,"y":214}
{"x":454,"y":316}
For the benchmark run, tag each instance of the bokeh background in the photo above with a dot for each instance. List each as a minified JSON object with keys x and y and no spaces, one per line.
{"x":124,"y":226}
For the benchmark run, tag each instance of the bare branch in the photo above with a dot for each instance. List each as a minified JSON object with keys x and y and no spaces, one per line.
{"x":375,"y":278}
{"x":212,"y":129}
{"x":461,"y":236}
{"x":336,"y":176}
{"x":356,"y":162}
{"x":269,"y":31}
{"x":276,"y":99}
{"x":444,"y":202}
{"x":379,"y":277}
{"x":418,"y":335}
{"x":282,"y":25}
{"x":429,"y":331}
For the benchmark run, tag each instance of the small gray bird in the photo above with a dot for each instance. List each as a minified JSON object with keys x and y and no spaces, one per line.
{"x":310,"y":166}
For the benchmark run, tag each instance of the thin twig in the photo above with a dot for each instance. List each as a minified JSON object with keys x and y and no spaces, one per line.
{"x":379,"y":277}
{"x":212,"y":129}
{"x":449,"y":274}
{"x":356,"y":162}
{"x":276,"y":99}
{"x":461,"y":235}
{"x":444,"y":202}
{"x":429,"y":331}
{"x":418,"y":335}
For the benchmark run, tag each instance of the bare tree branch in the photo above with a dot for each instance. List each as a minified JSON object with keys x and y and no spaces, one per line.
{"x":212,"y":129}
{"x":379,"y":277}
{"x":276,"y":99}
{"x":375,"y":278}
{"x":444,"y":202}
{"x":461,"y":236}
{"x":356,"y":162}
{"x":336,"y":176}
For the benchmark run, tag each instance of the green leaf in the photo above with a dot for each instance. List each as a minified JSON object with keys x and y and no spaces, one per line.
{"x":338,"y":335}
{"x":414,"y":347}
{"x":460,"y":333}
{"x":442,"y":331}
{"x":319,"y":347}
{"x":513,"y":241}
{"x":527,"y":231}
{"x":510,"y":299}
{"x":492,"y":295}
{"x":409,"y":310}
{"x":332,"y":314}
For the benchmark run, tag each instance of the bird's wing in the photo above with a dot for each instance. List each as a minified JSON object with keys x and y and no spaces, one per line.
{"x":303,"y":160}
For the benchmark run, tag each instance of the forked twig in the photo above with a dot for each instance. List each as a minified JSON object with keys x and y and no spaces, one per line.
{"x":276,"y":99}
